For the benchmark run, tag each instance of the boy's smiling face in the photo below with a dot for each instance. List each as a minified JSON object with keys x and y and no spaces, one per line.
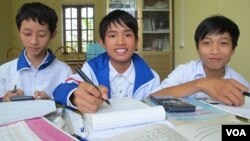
{"x":215,"y":51}
{"x":35,"y":38}
{"x":120,"y":44}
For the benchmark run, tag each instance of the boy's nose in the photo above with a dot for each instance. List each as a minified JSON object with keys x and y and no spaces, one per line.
{"x":34,"y":40}
{"x":215,"y":49}
{"x":120,"y":39}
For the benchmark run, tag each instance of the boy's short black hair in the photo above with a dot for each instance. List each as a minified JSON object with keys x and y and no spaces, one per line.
{"x":217,"y":24}
{"x":118,"y":17}
{"x":37,"y":12}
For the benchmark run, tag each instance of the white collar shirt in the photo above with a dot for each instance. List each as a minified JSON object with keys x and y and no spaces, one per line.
{"x":122,"y":85}
{"x":194,"y":70}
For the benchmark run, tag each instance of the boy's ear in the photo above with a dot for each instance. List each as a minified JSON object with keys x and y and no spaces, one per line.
{"x":233,"y":51}
{"x":53,"y":34}
{"x":100,"y":41}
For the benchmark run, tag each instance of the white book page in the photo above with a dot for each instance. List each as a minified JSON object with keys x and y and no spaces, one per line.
{"x":129,"y":117}
{"x":153,"y":132}
{"x":242,"y":111}
{"x":201,"y":132}
{"x":20,"y":110}
{"x":204,"y":131}
{"x":124,"y":112}
{"x":17,"y":132}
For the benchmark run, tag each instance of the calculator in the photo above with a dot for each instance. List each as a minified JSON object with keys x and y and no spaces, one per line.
{"x":171,"y":104}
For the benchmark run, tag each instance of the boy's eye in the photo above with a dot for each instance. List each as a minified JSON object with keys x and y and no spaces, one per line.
{"x":27,"y":34}
{"x":206,"y":43}
{"x":111,"y":36}
{"x":128,"y":34}
{"x":42,"y":35}
{"x":224,"y":43}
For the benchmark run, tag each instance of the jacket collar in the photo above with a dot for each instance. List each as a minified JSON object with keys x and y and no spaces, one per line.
{"x":23,"y":62}
{"x":100,"y":66}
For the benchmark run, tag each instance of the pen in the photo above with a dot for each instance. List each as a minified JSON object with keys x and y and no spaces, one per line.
{"x":246,"y":94}
{"x":85,"y":78}
{"x":78,"y":137}
{"x":14,"y":90}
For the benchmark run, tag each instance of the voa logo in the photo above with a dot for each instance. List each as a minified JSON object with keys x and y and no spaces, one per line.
{"x":236,"y":132}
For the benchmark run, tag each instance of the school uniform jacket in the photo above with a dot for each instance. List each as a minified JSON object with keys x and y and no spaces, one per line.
{"x":97,"y":70}
{"x":44,"y":78}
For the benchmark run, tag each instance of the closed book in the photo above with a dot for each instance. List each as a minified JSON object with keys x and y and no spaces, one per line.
{"x":122,"y":113}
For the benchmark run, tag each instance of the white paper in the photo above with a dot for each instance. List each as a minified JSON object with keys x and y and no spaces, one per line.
{"x":74,"y":122}
{"x":242,"y":111}
{"x":204,"y":131}
{"x":77,"y":123}
{"x":153,"y":132}
{"x":20,"y":110}
{"x":124,"y":112}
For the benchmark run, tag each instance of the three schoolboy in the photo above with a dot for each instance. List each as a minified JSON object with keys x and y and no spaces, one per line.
{"x":119,"y":71}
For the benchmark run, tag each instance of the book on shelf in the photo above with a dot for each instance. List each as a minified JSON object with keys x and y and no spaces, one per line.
{"x":122,"y":114}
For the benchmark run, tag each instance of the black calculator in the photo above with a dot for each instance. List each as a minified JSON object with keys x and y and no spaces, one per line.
{"x":171,"y":104}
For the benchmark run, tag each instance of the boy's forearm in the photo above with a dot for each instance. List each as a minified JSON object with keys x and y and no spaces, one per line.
{"x":181,"y":90}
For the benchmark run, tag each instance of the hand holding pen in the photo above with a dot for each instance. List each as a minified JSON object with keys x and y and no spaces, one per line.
{"x":12,"y":94}
{"x":86,"y":79}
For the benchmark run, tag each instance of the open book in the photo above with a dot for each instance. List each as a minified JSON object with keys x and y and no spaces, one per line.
{"x":152,"y":132}
{"x":36,"y":129}
{"x":122,"y":112}
{"x":197,"y":131}
{"x":20,"y":110}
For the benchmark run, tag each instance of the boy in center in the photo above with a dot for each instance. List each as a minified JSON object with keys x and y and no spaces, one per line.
{"x":119,"y":72}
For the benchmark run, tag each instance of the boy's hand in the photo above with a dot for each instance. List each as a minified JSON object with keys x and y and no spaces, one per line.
{"x":228,"y":91}
{"x":10,"y":94}
{"x":87,"y":98}
{"x":41,"y":95}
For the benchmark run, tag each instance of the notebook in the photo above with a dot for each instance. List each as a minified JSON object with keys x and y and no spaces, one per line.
{"x":122,"y":113}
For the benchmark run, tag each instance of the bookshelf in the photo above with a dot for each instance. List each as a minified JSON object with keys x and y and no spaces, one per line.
{"x":155,"y":22}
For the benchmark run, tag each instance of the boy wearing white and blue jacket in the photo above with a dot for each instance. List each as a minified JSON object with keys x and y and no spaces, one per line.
{"x":36,"y":72}
{"x":119,"y":72}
